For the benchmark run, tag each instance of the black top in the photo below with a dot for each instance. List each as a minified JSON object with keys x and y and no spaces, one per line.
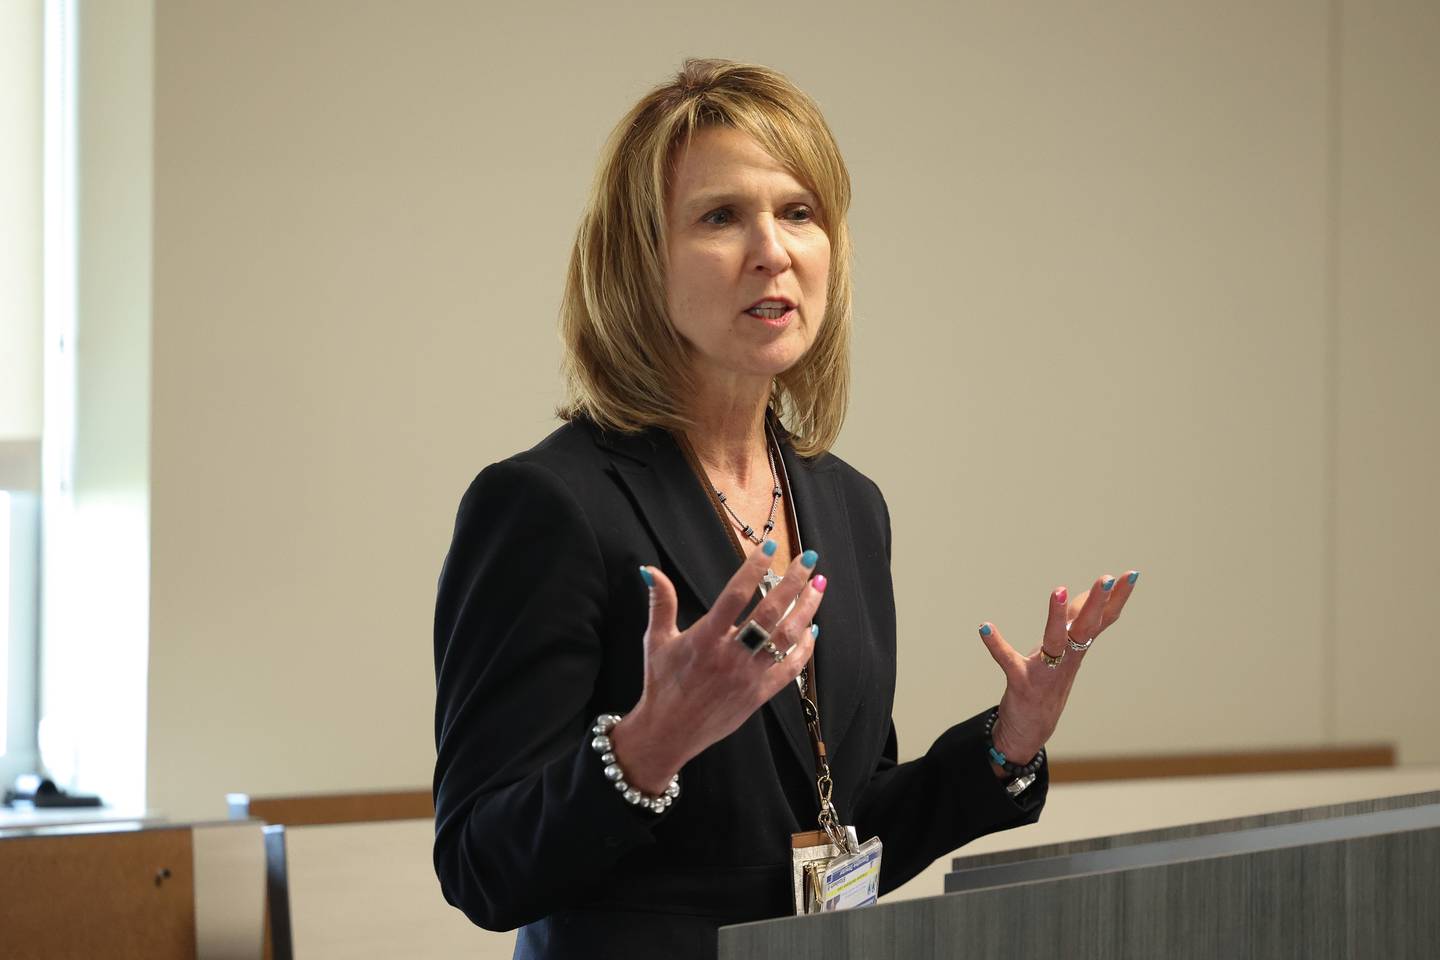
{"x":538,"y":628}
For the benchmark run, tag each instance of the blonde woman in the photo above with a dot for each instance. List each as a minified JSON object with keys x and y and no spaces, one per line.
{"x":638,"y":710}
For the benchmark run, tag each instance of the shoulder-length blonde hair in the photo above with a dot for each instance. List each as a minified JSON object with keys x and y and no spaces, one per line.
{"x":626,"y":367}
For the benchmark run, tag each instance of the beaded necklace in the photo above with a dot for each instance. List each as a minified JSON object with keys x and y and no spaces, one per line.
{"x":748,"y":531}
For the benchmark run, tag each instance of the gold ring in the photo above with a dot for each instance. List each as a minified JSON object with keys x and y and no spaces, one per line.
{"x":1051,"y":662}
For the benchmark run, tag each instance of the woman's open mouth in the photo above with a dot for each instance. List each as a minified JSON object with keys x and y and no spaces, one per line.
{"x":773,"y":314}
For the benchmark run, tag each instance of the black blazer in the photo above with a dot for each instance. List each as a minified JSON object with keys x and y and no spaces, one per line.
{"x":538,"y":628}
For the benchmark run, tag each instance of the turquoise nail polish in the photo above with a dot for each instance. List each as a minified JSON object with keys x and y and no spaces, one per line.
{"x":984,"y":629}
{"x":648,"y":577}
{"x":1133,"y":577}
{"x":815,"y":631}
{"x":1109,"y":582}
{"x":769,"y":548}
{"x":809,"y":558}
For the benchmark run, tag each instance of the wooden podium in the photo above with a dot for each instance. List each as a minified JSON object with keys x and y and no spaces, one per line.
{"x":1348,"y":880}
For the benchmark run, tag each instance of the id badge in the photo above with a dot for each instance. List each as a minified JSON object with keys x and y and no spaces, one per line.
{"x":852,"y":880}
{"x":813,"y":857}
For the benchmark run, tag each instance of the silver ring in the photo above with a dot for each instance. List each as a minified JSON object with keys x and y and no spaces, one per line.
{"x":1074,"y":644}
{"x":753,"y":637}
{"x":769,"y":647}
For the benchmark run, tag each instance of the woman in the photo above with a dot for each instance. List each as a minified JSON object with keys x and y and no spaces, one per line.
{"x":608,"y":571}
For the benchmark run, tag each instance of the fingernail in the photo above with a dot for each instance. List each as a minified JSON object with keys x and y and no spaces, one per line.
{"x":1134,"y":575}
{"x":648,"y":577}
{"x":809,"y":558}
{"x":814,"y":631}
{"x":818,"y":582}
{"x":1109,"y":582}
{"x":984,"y":629}
{"x":769,"y":548}
{"x":1062,"y":595}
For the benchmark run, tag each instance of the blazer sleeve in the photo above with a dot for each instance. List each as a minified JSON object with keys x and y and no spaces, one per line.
{"x":924,"y":808}
{"x":524,"y":816}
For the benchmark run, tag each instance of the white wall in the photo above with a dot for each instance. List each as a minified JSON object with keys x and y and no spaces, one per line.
{"x":21,"y":163}
{"x":1109,"y":264}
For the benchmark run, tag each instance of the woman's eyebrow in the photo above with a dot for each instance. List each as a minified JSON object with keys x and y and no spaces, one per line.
{"x":713,"y":199}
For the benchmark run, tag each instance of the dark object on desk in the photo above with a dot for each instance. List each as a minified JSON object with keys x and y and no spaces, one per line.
{"x":30,"y":791}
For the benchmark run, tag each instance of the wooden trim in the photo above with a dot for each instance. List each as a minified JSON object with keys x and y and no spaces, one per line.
{"x":1147,"y":766}
{"x":315,"y":809}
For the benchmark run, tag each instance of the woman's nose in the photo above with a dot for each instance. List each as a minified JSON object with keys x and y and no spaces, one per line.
{"x":768,"y":252}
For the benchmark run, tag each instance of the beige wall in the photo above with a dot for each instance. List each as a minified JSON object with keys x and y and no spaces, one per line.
{"x":1386,"y":387}
{"x":1108,"y":267}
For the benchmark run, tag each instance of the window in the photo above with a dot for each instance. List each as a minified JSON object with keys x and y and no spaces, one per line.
{"x":22,"y":160}
{"x":19,"y":621}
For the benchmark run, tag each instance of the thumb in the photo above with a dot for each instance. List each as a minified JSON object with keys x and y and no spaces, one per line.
{"x":1004,"y":654}
{"x":663,"y":604}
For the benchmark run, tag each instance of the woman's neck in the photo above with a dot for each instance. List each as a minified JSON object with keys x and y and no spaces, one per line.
{"x":729,"y":434}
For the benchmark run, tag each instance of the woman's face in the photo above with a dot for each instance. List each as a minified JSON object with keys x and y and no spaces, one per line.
{"x":742,"y":230}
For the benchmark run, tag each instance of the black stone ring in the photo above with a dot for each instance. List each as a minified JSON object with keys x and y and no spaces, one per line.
{"x":753,"y":637}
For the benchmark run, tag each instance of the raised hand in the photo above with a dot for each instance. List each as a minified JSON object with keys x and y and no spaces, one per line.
{"x":702,"y":683}
{"x":1037,"y":686}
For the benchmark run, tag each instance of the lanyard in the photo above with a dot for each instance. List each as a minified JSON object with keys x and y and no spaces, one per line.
{"x":828,"y":818}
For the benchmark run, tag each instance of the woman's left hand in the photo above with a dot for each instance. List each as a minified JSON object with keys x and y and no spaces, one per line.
{"x":1035,"y":693}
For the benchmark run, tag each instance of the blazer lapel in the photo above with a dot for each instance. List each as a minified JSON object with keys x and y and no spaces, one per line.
{"x":677,"y":510}
{"x":819,"y":504}
{"x":701,"y":554}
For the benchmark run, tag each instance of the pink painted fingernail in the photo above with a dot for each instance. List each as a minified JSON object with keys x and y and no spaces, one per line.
{"x":1061,"y":595}
{"x":818,"y":582}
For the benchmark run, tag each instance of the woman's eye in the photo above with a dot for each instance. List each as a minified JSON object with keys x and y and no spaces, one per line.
{"x":724,"y":215}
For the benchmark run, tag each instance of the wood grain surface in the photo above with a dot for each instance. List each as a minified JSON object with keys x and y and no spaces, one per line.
{"x":1369,"y":896}
{"x":1201,"y":829}
{"x":314,"y":809}
{"x":122,"y":895}
{"x":1147,"y":766}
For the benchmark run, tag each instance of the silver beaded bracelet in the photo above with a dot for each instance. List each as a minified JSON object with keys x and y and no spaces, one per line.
{"x":613,"y":773}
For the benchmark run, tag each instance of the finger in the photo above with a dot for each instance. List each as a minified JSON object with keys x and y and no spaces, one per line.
{"x":772,"y":610}
{"x":663,"y":605}
{"x":800,"y":619}
{"x":1087,"y":622}
{"x":1118,"y":596}
{"x":742,"y":586}
{"x":784,"y":673}
{"x":788,"y":635}
{"x":1005,"y":655}
{"x":1054,"y":638}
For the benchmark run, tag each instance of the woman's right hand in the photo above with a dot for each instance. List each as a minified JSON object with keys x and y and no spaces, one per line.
{"x":701,"y":684}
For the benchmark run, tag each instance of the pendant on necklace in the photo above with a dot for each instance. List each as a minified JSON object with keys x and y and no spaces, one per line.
{"x":769,"y":580}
